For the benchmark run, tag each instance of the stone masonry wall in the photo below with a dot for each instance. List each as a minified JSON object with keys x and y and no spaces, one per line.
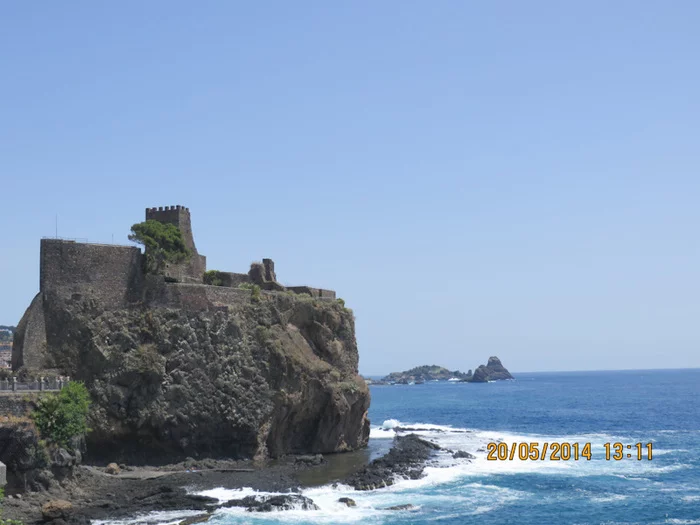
{"x":111,"y":274}
{"x":29,"y":348}
{"x":17,"y":404}
{"x":313,"y":292}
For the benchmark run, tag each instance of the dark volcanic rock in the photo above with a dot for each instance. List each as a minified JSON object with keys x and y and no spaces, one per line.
{"x":493,"y":371}
{"x":348,"y":501}
{"x":406,"y":459}
{"x":407,"y":506}
{"x":178,"y":374}
{"x":271,"y":503}
{"x":309,"y":460}
{"x":31,"y":464}
{"x":462,"y":454}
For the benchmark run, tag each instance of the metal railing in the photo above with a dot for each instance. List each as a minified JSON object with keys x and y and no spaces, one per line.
{"x":40,"y":385}
{"x":87,"y":241}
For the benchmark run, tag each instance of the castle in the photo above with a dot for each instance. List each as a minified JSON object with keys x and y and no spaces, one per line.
{"x":114,"y":277}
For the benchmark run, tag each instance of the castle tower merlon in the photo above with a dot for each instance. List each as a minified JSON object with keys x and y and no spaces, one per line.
{"x":179,"y":216}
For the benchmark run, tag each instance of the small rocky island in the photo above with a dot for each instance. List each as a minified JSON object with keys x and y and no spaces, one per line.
{"x":492,"y":371}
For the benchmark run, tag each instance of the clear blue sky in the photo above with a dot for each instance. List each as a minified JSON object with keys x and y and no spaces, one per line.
{"x":517,"y":179}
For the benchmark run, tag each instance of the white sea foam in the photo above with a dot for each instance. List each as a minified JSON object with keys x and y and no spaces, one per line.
{"x":372,"y":506}
{"x":475,"y":441}
{"x":152,"y":518}
{"x":608,"y":499}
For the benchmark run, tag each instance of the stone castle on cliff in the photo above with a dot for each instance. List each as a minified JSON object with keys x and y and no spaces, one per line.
{"x":114,"y":277}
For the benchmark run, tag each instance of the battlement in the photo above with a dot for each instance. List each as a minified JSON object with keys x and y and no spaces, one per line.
{"x":166,"y":208}
{"x":179,"y":216}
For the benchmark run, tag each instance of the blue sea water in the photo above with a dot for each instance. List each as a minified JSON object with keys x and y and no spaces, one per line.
{"x":659,"y":407}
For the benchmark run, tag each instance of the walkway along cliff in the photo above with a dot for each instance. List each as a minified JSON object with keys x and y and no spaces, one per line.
{"x":243,"y":368}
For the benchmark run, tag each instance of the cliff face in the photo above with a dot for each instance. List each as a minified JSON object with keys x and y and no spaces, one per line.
{"x":188,"y":370}
{"x":493,"y":371}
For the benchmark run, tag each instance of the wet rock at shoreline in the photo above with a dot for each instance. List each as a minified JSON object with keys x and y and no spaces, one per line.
{"x":406,"y":459}
{"x":272,"y":503}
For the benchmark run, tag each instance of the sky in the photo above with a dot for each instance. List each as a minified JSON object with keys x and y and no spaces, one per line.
{"x":506,"y":178}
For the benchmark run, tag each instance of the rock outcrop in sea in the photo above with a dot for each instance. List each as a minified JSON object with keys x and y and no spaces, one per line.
{"x":493,"y":371}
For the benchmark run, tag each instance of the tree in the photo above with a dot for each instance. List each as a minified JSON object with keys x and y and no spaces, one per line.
{"x":163,"y":243}
{"x":63,"y":416}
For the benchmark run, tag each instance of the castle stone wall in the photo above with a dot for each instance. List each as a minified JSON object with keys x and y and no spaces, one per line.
{"x":194,"y":297}
{"x":313,"y":292}
{"x":17,"y":404}
{"x":233,"y":280}
{"x":111,"y":274}
{"x":29,"y":346}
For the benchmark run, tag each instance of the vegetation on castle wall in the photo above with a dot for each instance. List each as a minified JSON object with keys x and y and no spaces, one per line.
{"x":255,"y":294}
{"x":63,"y":416}
{"x":163,"y":242}
{"x":213,"y":277}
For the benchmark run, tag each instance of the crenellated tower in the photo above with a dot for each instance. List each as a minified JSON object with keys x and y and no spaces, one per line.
{"x":179,"y":216}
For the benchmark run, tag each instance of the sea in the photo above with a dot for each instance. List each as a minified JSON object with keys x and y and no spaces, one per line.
{"x":657,"y":407}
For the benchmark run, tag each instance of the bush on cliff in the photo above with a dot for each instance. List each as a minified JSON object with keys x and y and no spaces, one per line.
{"x":63,"y":416}
{"x":163,"y":242}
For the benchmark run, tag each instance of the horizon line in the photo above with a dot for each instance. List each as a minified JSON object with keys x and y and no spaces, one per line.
{"x":584,"y":370}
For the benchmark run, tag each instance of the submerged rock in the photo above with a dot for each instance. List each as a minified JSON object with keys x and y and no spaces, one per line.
{"x":407,"y":506}
{"x":348,"y":502}
{"x":462,"y":454}
{"x":200,"y":518}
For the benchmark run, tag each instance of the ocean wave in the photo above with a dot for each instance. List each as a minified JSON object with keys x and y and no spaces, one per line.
{"x":609,"y":498}
{"x":445,"y":469}
{"x":152,"y":518}
{"x":372,"y":506}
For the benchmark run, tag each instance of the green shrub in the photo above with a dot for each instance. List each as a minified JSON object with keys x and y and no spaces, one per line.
{"x":213,"y":277}
{"x":63,"y":416}
{"x":340,"y":301}
{"x":163,"y":242}
{"x":254,"y":290}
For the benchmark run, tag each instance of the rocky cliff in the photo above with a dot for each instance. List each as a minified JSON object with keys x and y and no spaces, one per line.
{"x":193,"y":369}
{"x":493,"y":371}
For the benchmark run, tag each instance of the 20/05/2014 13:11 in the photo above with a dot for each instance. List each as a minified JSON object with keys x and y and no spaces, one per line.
{"x":618,"y":451}
{"x":534,"y":451}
